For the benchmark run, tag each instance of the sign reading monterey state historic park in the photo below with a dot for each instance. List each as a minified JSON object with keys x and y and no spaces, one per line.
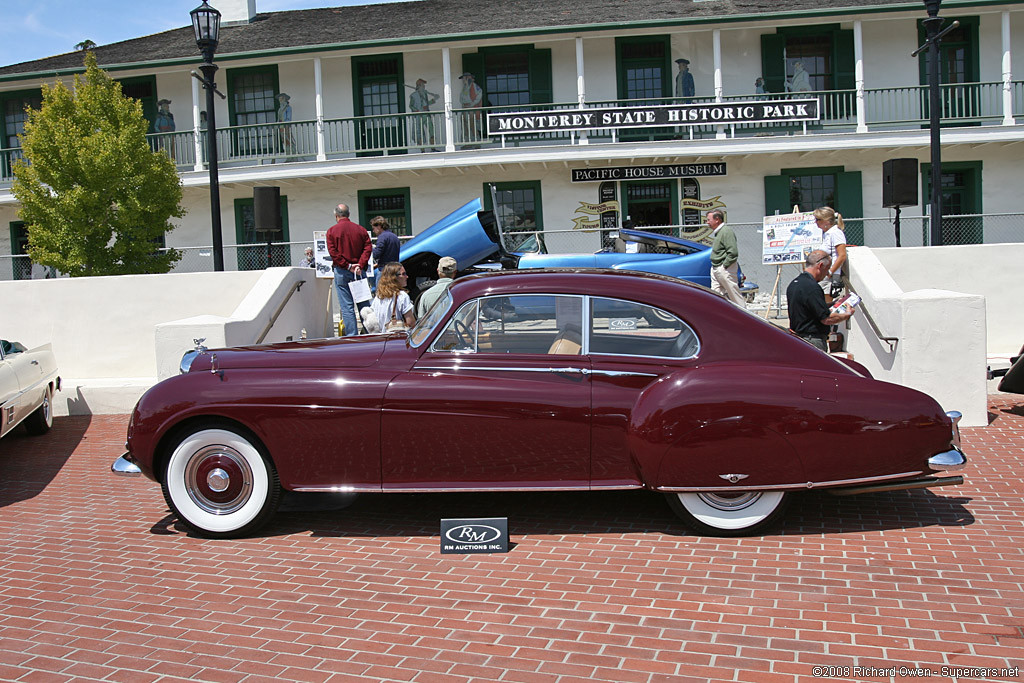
{"x":713,"y":113}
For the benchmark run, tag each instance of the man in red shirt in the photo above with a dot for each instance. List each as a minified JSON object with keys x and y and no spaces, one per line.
{"x":349,"y":245}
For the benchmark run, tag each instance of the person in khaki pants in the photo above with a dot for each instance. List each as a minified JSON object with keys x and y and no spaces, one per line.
{"x":724,"y":259}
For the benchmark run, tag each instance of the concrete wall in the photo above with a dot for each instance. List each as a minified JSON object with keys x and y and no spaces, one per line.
{"x":941,"y":335}
{"x":113,"y":337}
{"x":992,"y":270}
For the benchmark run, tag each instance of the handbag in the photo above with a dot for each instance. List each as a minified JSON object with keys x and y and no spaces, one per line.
{"x":395,"y":324}
{"x":360,"y":290}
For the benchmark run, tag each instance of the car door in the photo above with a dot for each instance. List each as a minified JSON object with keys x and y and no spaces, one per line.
{"x":631,"y":347}
{"x":500,"y":399}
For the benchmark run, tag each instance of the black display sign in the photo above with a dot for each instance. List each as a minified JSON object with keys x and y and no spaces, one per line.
{"x":475,"y":535}
{"x":586,"y":175}
{"x":655,"y":116}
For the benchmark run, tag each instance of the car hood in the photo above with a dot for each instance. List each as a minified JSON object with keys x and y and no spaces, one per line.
{"x":345,"y":352}
{"x":461,"y":235}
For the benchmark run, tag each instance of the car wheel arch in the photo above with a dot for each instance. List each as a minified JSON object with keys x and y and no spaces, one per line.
{"x":171,"y":436}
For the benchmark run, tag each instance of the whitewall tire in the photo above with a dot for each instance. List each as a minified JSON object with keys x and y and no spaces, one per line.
{"x":729,"y":514}
{"x":219,"y":482}
{"x":41,"y":419}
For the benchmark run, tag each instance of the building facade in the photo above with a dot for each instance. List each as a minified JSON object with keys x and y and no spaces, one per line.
{"x":642,"y":112}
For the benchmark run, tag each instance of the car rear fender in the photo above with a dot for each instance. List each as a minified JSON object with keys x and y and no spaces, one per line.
{"x":697,"y":426}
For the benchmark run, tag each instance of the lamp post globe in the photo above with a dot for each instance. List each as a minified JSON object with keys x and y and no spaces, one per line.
{"x":206,"y":24}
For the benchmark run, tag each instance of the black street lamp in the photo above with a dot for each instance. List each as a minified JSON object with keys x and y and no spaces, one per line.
{"x":932,"y":26}
{"x":206,"y":24}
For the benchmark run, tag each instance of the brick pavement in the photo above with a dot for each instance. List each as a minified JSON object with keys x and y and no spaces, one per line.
{"x":97,"y":582}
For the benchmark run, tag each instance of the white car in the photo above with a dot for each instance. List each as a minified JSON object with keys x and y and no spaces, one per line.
{"x":28,"y":379}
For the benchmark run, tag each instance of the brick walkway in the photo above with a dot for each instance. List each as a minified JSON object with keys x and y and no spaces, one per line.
{"x":97,"y":582}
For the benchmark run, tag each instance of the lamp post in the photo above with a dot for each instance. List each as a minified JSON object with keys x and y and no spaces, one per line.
{"x":932,"y":25}
{"x":206,"y":24}
{"x":934,"y":37}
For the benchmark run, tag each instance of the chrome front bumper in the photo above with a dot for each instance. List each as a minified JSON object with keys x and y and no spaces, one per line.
{"x":125,"y":467}
{"x":954,"y":458}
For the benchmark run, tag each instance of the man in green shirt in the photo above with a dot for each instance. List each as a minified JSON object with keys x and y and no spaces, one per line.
{"x":724,"y":259}
{"x":446,"y":268}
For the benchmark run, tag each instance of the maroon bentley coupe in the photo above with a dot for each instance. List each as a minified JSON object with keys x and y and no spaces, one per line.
{"x":539,"y":380}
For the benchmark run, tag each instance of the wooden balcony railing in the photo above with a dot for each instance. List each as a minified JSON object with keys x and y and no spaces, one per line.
{"x":883,"y":109}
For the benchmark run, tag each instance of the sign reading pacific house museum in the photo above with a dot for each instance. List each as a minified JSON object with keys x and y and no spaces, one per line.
{"x":714,"y":113}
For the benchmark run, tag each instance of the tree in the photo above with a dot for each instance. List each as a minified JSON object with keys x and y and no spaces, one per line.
{"x":85,"y":45}
{"x":96,"y":200}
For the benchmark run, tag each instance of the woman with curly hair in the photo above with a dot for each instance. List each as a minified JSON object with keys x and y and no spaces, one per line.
{"x":392,"y":305}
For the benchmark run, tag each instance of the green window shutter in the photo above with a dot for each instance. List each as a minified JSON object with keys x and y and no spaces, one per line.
{"x":773,"y":62}
{"x":473,"y":62}
{"x":842,"y":56}
{"x":776,"y":194}
{"x":850,"y":202}
{"x":541,"y":90}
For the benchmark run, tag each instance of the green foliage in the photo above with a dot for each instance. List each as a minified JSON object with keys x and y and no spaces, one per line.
{"x":95,"y":198}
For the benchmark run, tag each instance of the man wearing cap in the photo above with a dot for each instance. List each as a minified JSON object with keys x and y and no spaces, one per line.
{"x":446,"y":268}
{"x":471,"y":97}
{"x":422,"y":126}
{"x":684,"y":79}
{"x":349,"y":245}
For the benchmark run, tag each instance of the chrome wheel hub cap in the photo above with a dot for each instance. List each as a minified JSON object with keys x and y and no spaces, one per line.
{"x":218,"y":479}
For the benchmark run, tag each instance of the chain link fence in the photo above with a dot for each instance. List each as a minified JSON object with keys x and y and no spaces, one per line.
{"x":872,"y":232}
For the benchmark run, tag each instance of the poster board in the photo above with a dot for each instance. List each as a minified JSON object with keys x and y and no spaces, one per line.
{"x":324,"y":263}
{"x":787,"y":238}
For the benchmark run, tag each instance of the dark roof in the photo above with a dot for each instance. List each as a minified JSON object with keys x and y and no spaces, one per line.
{"x":432,"y":19}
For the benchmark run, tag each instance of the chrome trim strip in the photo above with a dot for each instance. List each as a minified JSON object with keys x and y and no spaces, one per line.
{"x":575,"y":371}
{"x":774,"y":487}
{"x":486,"y":489}
{"x":378,"y":489}
{"x":337,"y":489}
{"x":618,"y":373}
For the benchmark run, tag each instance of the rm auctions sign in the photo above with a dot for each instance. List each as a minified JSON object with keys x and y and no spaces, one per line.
{"x":760,"y":111}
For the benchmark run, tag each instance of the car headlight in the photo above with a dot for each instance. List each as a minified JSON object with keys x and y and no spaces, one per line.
{"x":186,"y":360}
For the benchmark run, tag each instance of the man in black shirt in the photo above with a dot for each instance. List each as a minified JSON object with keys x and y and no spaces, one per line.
{"x":809,"y":315}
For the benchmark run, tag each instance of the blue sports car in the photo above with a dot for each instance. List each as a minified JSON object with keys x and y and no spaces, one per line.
{"x":472,"y":237}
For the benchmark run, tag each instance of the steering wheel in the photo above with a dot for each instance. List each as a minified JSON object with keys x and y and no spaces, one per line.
{"x":462,"y":332}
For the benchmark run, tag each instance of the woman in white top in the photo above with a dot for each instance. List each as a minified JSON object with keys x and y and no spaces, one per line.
{"x":391,"y":301}
{"x":833,"y":241}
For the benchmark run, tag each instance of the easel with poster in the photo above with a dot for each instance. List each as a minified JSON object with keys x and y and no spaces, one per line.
{"x":786,"y":239}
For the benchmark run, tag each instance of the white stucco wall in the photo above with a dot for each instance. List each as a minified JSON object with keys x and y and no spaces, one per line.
{"x":991,"y":270}
{"x":940,"y":335}
{"x":107,"y":334}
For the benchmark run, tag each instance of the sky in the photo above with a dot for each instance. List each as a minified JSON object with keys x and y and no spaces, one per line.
{"x":33,"y":29}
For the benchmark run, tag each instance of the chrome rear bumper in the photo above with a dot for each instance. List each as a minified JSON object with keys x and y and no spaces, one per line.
{"x":954,"y":458}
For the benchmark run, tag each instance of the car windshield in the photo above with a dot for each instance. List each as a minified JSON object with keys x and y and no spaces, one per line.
{"x":421,"y":330}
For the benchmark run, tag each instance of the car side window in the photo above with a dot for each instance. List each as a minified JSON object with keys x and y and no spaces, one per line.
{"x":547,"y":324}
{"x":627,"y":328}
{"x":461,"y":332}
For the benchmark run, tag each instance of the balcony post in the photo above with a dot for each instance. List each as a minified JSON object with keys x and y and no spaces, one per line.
{"x":1007,"y":73}
{"x":858,"y":71}
{"x":318,"y":85}
{"x":717,"y":46}
{"x":196,"y":131}
{"x":449,"y":125}
{"x":581,"y":85}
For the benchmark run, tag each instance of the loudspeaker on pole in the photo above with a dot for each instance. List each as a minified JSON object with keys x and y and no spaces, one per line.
{"x":899,"y":183}
{"x":266,"y":204}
